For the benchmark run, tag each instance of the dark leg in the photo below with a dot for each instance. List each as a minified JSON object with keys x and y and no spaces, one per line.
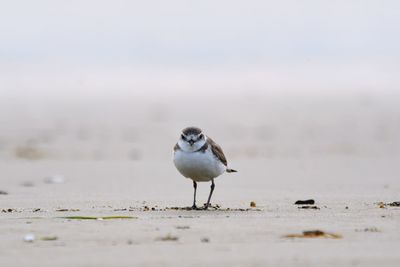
{"x":194,"y":197}
{"x":211,"y":191}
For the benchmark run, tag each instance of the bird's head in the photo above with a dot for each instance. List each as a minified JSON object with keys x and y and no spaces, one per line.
{"x":191,"y":139}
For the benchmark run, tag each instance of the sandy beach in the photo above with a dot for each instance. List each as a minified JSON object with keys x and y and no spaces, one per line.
{"x":302,"y":96}
{"x":58,"y":161}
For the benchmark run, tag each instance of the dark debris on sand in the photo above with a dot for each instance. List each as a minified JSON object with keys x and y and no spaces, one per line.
{"x":144,"y":208}
{"x":305,"y":202}
{"x":168,"y":237}
{"x":205,"y":240}
{"x":391,"y":204}
{"x":3,"y":192}
{"x":183,"y":227}
{"x":309,"y":207}
{"x":156,"y":208}
{"x":64,"y":210}
{"x":314,"y":234}
{"x":369,"y":229}
{"x":8,"y":210}
{"x":211,"y":207}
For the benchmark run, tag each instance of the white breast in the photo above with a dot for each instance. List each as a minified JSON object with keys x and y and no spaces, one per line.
{"x":198,"y":166}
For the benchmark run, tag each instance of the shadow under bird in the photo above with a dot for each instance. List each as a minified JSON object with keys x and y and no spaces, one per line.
{"x":198,"y":157}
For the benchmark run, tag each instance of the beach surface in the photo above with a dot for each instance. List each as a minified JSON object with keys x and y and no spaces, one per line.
{"x":112,"y":159}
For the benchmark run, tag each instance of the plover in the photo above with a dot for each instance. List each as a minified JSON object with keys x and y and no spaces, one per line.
{"x":198,"y":157}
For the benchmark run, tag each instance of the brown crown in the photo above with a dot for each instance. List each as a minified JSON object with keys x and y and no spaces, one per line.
{"x":191,"y":130}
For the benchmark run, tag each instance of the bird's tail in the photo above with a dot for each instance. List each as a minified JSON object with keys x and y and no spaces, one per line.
{"x":231,"y":170}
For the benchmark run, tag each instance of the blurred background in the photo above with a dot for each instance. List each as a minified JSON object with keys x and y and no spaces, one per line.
{"x":303,"y":97}
{"x":118,"y":80}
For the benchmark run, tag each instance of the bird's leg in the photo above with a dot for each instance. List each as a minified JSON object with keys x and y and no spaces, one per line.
{"x":194,"y":197}
{"x":211,"y":191}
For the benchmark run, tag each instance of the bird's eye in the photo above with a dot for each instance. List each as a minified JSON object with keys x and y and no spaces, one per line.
{"x":201,"y":136}
{"x":183,"y":137}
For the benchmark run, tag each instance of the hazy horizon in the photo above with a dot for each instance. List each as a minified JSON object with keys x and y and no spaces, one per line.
{"x":262,"y":46}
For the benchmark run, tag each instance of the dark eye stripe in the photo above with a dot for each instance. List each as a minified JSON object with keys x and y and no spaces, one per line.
{"x":183,"y":137}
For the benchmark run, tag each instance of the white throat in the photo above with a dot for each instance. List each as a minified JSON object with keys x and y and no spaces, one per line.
{"x":185,"y":146}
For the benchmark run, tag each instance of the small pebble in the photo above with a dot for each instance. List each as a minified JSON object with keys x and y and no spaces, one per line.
{"x":49,"y":238}
{"x":168,"y":237}
{"x":29,"y":238}
{"x":370,"y":229}
{"x":28,"y":184}
{"x":54,"y":179}
{"x":8,"y":210}
{"x":253,"y":204}
{"x":183,"y":227}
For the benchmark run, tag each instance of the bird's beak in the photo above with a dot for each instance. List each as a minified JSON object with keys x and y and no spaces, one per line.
{"x":191,"y":142}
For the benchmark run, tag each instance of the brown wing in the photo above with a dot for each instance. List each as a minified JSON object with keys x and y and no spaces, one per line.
{"x":217,"y":151}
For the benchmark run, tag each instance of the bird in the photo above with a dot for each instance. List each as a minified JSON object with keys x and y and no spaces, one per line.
{"x":199,"y":158}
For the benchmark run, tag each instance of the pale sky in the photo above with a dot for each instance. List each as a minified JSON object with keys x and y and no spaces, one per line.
{"x":192,"y":44}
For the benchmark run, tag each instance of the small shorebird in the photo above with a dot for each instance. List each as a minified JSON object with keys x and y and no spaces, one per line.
{"x":198,"y":157}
